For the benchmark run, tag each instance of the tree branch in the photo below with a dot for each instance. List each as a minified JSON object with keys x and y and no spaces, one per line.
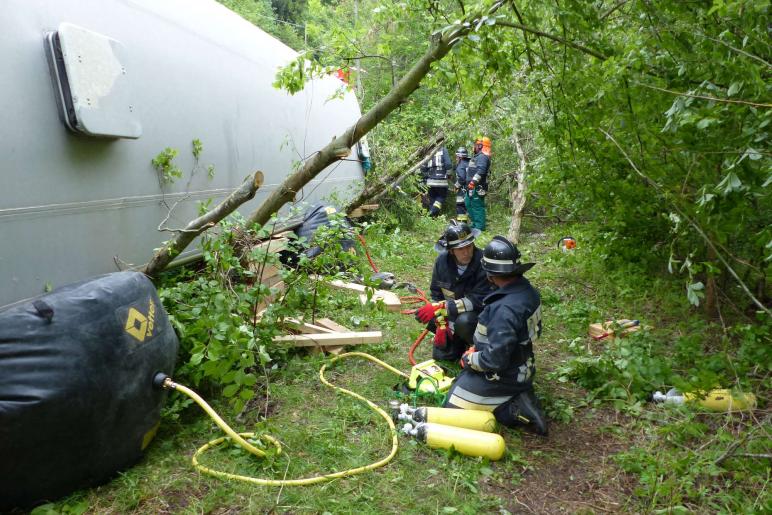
{"x":613,"y":8}
{"x":703,"y":97}
{"x":553,"y":37}
{"x":696,"y":227}
{"x":525,"y":35}
{"x":173,"y":247}
{"x":738,"y":50}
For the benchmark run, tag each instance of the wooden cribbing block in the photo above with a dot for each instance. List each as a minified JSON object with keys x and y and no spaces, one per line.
{"x":342,"y":285}
{"x":264,"y":302}
{"x":324,"y":339}
{"x":273,"y":245}
{"x":268,"y":274}
{"x":390,"y":299}
{"x":305,"y":327}
{"x":363,"y":210}
{"x":333,"y":325}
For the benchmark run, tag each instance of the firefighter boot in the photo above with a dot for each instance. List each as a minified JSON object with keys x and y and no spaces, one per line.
{"x":523,"y":410}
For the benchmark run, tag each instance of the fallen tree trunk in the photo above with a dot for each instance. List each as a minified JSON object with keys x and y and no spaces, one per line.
{"x":173,"y":247}
{"x":340,"y":147}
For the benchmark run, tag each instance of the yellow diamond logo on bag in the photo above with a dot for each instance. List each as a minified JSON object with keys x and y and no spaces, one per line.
{"x":139,"y":325}
{"x":136,"y":324}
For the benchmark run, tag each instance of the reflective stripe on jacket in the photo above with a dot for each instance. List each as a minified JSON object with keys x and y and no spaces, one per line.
{"x":505,"y":333}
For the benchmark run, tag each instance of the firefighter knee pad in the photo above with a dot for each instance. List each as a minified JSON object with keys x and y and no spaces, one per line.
{"x":522,"y":411}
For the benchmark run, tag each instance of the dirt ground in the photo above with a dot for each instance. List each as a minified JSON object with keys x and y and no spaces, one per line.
{"x":570,"y":471}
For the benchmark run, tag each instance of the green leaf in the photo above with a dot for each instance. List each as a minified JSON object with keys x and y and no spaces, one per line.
{"x":734,"y":88}
{"x":230,"y":390}
{"x":705,"y":122}
{"x":729,"y":184}
{"x":753,"y":154}
{"x":694,"y":293}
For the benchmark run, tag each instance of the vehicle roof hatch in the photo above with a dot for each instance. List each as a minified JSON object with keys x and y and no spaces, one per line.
{"x":93,"y":87}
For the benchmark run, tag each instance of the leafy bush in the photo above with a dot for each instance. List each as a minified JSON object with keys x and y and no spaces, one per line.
{"x":629,"y":368}
{"x":224,"y":340}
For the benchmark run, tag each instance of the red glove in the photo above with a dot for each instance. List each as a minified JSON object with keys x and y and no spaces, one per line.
{"x":465,"y":356}
{"x":443,"y":334}
{"x":472,"y":186}
{"x":428,"y":311}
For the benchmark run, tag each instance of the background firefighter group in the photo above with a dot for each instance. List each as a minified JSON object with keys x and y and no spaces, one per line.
{"x":471,"y":181}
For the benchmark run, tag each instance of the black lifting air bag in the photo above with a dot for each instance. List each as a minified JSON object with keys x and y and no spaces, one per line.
{"x":77,"y":402}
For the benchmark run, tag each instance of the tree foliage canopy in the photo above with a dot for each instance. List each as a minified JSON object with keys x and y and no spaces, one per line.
{"x":678,"y":90}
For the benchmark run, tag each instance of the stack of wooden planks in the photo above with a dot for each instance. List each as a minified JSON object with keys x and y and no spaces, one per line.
{"x":389,"y":298}
{"x":325,"y":335}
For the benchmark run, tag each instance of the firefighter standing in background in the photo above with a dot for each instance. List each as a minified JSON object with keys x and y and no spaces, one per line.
{"x":462,"y":162}
{"x":477,"y":187}
{"x":435,"y":172}
{"x":498,"y":370}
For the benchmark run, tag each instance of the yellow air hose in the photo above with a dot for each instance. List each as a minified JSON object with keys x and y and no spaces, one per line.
{"x":238,"y":438}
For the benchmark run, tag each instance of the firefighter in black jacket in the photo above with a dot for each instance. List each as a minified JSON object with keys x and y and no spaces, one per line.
{"x":458,"y":287}
{"x":498,"y":371}
{"x":462,"y":162}
{"x":435,"y":172}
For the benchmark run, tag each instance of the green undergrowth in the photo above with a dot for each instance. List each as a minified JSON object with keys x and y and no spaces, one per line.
{"x":673,"y":456}
{"x":677,"y":456}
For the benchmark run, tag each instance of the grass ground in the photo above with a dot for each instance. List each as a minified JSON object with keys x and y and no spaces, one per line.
{"x":574,"y":470}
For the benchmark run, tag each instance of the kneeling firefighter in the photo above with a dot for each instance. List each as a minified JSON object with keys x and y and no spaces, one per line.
{"x":458,"y":287}
{"x":498,"y":371}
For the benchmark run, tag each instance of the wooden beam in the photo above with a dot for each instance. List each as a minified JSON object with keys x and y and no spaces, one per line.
{"x":390,"y":299}
{"x":276,"y":244}
{"x":600,"y":331}
{"x":363,"y":210}
{"x":323,"y":339}
{"x":305,"y":327}
{"x":279,"y":288}
{"x":333,"y":325}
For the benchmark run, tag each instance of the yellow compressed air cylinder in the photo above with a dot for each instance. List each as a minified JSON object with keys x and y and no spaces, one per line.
{"x":723,"y":400}
{"x":469,"y":419}
{"x":466,"y":441}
